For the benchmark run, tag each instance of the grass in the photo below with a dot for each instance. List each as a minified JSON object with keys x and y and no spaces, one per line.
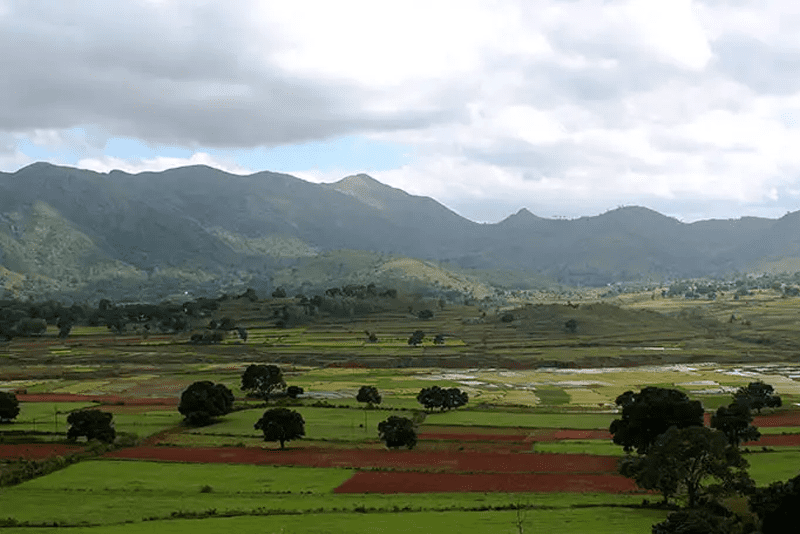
{"x":602,"y":447}
{"x":45,"y":416}
{"x":345,"y":424}
{"x":146,"y":423}
{"x":767,"y":467}
{"x":587,"y":421}
{"x":564,"y":521}
{"x":110,"y":492}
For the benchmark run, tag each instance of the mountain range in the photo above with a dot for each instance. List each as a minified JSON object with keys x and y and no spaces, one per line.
{"x":65,"y":229}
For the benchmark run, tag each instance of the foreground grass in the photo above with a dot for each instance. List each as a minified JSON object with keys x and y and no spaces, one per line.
{"x":768,"y":467}
{"x":111,"y":492}
{"x":563,"y":521}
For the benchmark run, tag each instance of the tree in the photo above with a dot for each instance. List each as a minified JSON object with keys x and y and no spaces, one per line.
{"x":202,"y":401}
{"x":28,"y":327}
{"x":444,"y":399}
{"x":416,"y":338}
{"x":369,"y":395}
{"x":704,"y":520}
{"x":281,"y":424}
{"x":649,"y":413}
{"x":777,"y":505}
{"x":683,"y":459}
{"x":93,"y":424}
{"x":757,"y":395}
{"x":571,"y":326}
{"x":279,"y":293}
{"x":294,"y":391}
{"x":398,"y":432}
{"x":9,"y":406}
{"x":261,"y":380}
{"x":734,"y":421}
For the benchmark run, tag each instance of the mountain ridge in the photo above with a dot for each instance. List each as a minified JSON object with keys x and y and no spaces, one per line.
{"x":198,"y":219}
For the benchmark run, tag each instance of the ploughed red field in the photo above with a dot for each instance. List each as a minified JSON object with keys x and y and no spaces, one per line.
{"x":108,"y":399}
{"x":415,"y":482}
{"x":464,"y":461}
{"x":791,"y":418}
{"x":36,"y":451}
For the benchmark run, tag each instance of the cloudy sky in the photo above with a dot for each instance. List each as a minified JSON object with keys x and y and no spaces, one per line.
{"x":568,"y":108}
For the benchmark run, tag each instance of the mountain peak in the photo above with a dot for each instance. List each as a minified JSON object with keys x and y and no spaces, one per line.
{"x":368,"y":190}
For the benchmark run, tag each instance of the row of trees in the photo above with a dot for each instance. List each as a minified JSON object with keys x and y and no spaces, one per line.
{"x":675,"y":454}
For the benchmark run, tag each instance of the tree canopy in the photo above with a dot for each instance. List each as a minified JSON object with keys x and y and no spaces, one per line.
{"x":756,"y":396}
{"x":683,"y":459}
{"x":93,"y":424}
{"x":369,"y":395}
{"x":444,"y":399}
{"x":281,"y":424}
{"x":397,"y":432}
{"x":777,"y":505}
{"x":261,"y":380}
{"x":9,"y":406}
{"x":202,"y":401}
{"x":649,"y":413}
{"x":703,"y":520}
{"x":734,"y":421}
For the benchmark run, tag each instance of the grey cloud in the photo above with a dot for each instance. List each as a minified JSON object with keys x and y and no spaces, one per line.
{"x":134,"y":74}
{"x":763,"y":68}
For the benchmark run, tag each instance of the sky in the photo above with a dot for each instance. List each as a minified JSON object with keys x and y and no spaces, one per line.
{"x":566,"y":108}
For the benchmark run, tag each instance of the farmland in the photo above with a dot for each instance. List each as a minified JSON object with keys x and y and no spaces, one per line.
{"x":531,"y":445}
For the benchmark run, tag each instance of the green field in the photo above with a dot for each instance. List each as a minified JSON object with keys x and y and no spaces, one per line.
{"x":107,"y":493}
{"x":583,"y":421}
{"x":564,"y":521}
{"x":337,"y":424}
{"x":529,"y":376}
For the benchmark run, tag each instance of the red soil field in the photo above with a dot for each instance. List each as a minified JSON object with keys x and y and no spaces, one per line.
{"x":466,"y":461}
{"x":36,"y":451}
{"x":399,"y":482}
{"x":778,"y":419}
{"x":107,"y":399}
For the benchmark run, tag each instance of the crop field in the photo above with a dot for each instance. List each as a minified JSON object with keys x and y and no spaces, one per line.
{"x":530,"y":448}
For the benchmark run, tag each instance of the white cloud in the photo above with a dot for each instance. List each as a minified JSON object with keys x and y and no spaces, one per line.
{"x":564,"y":107}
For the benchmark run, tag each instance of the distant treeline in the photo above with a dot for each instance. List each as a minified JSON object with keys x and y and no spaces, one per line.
{"x":26,"y":319}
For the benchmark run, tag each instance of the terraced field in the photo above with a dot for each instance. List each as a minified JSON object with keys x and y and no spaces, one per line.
{"x":532,"y":444}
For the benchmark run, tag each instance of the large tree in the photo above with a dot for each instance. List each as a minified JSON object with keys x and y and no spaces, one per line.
{"x":777,"y":506}
{"x":649,"y":413}
{"x":703,"y":520}
{"x":369,"y":395}
{"x":684,"y":459}
{"x":281,"y":424}
{"x":757,"y":395}
{"x":9,"y":406}
{"x":202,"y":401}
{"x":397,"y":432}
{"x":734,"y":421}
{"x":93,"y":424}
{"x":261,"y":380}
